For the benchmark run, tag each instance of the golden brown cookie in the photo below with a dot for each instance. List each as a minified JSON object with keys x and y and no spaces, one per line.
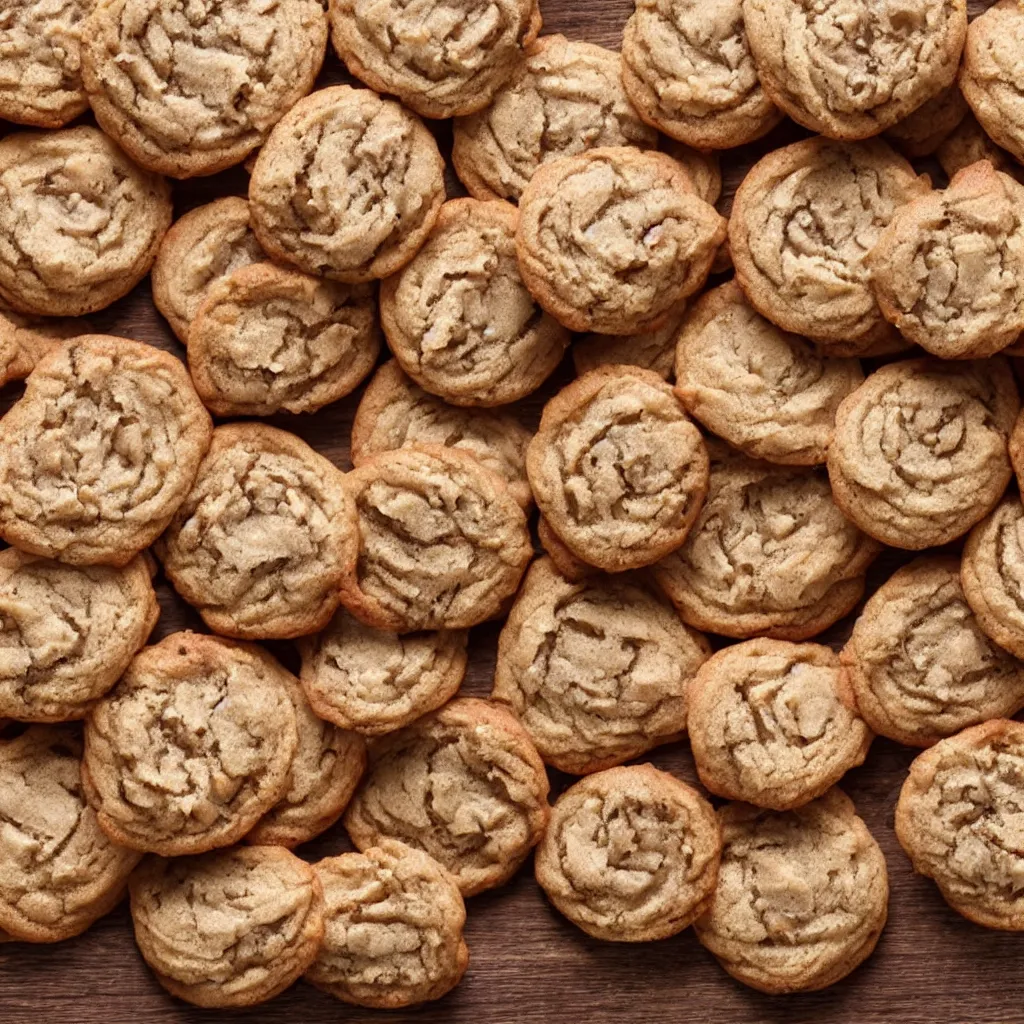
{"x":968,"y":144}
{"x":192,"y":747}
{"x":458,"y":316}
{"x":463,"y":784}
{"x":701,"y":165}
{"x":394,"y":928}
{"x":925,"y":129}
{"x":25,"y":339}
{"x":99,"y":451}
{"x":631,"y":854}
{"x":649,"y":350}
{"x":376,"y":171}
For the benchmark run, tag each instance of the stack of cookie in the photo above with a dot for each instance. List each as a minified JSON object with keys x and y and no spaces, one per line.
{"x":723,"y":463}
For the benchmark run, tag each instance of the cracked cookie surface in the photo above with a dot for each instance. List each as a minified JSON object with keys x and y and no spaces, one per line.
{"x":650,"y":350}
{"x":25,"y":339}
{"x":925,"y":129}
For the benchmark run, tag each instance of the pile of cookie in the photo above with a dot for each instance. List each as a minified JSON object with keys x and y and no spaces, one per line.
{"x":746,"y":500}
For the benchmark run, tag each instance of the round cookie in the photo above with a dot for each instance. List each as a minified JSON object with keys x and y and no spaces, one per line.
{"x":374,"y":681}
{"x":773,"y":723}
{"x":920,"y":449}
{"x":925,"y":129}
{"x":419,"y":55}
{"x":394,"y":921}
{"x":269,"y":340}
{"x":803,"y":221}
{"x":687,"y":66}
{"x":920,"y":666}
{"x":957,"y":818}
{"x":265,"y":537}
{"x":764,"y":390}
{"x":571,"y":567}
{"x":201,"y":248}
{"x":565,"y":97}
{"x":192,"y":747}
{"x":464,"y":784}
{"x":458,"y":317}
{"x":630,"y":855}
{"x":377,"y":175}
{"x":613,"y":239}
{"x":851,"y":70}
{"x":394,"y":413}
{"x":617,"y":468}
{"x":802,"y":895}
{"x":79,"y":223}
{"x":99,"y":451}
{"x":967,"y":144}
{"x":769,"y":555}
{"x":58,"y":871}
{"x":596,"y":671}
{"x":190,"y":87}
{"x":228,"y":929}
{"x":649,"y":350}
{"x":443,"y":543}
{"x":702,"y":166}
{"x":24,"y":340}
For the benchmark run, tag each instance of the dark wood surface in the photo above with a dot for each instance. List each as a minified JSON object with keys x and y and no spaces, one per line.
{"x":527,"y":963}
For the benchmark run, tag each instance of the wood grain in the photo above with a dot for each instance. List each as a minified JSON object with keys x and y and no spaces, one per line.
{"x":528,"y":964}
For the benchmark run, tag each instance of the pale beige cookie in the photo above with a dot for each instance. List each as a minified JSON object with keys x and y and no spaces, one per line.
{"x":630,"y":855}
{"x":769,"y":555}
{"x":443,"y":543}
{"x":374,"y":178}
{"x":920,"y":449}
{"x":968,"y":144}
{"x":58,"y":871}
{"x":25,"y":339}
{"x":850,"y":70}
{"x":458,"y":316}
{"x":99,"y":451}
{"x":394,"y":413}
{"x":687,"y":66}
{"x":802,"y":895}
{"x":192,"y":747}
{"x":925,"y":129}
{"x":464,"y":784}
{"x":571,"y":567}
{"x":764,"y":390}
{"x":958,"y":818}
{"x":190,"y":87}
{"x":373,"y":681}
{"x":228,"y":929}
{"x":649,"y":350}
{"x":269,"y":340}
{"x":703,"y":167}
{"x":597,"y":671}
{"x":564,"y":98}
{"x":920,"y":666}
{"x":394,"y":928}
{"x":79,"y":223}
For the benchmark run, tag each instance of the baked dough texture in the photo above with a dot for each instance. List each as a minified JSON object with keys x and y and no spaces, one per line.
{"x":967,"y":144}
{"x":25,"y":339}
{"x":649,"y":350}
{"x":925,"y":129}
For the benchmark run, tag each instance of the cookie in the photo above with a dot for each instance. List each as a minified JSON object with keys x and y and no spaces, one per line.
{"x":769,"y":555}
{"x":58,"y":871}
{"x":269,"y":340}
{"x":377,"y":176}
{"x":925,"y":129}
{"x":100,"y":451}
{"x":202,"y":247}
{"x":192,"y":747}
{"x":764,"y":390}
{"x":24,"y":340}
{"x":947,"y":269}
{"x":631,"y":854}
{"x":851,"y":70}
{"x":228,"y":929}
{"x":571,"y":567}
{"x":920,"y":665}
{"x":596,"y":671}
{"x":443,"y":543}
{"x":79,"y":223}
{"x":190,"y":87}
{"x":464,"y":784}
{"x":803,"y":221}
{"x":802,"y":895}
{"x":688,"y":68}
{"x":394,"y":413}
{"x":440,"y":61}
{"x":394,"y":928}
{"x":647,"y":241}
{"x":919,"y":454}
{"x":701,"y":165}
{"x":373,"y":681}
{"x":967,"y":144}
{"x":649,"y":350}
{"x":565,"y":97}
{"x":459,"y":318}
{"x":957,"y":818}
{"x":265,"y":537}
{"x":617,"y":468}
